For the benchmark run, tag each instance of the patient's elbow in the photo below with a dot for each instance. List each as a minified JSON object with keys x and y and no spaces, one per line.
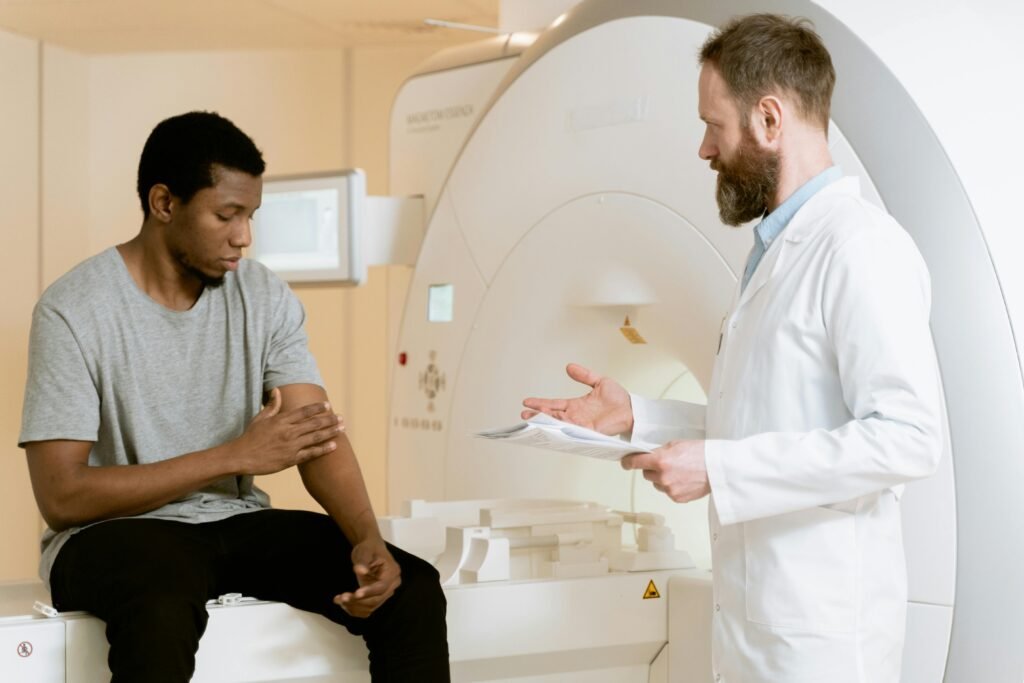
{"x":56,"y":516}
{"x":57,"y":506}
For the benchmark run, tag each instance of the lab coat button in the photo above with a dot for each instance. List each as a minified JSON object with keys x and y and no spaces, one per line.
{"x":717,"y":607}
{"x":714,"y":537}
{"x":718,"y":677}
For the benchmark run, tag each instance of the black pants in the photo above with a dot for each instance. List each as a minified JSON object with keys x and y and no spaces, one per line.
{"x":149,"y":580}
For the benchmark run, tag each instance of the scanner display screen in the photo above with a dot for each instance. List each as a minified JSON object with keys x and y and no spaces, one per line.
{"x":440,"y":303}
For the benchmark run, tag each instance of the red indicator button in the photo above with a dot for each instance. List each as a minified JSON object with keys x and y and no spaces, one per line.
{"x":403,"y":358}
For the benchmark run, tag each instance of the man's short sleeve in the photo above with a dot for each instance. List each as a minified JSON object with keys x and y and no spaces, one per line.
{"x":289,"y":360}
{"x":61,"y":399}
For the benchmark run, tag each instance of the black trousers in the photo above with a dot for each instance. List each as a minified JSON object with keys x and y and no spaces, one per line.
{"x":149,"y":580}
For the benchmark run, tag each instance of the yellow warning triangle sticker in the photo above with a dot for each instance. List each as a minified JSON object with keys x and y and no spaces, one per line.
{"x":652,"y":591}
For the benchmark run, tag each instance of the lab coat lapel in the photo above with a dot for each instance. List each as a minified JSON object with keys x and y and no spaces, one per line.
{"x":789,"y":243}
{"x":766,"y":270}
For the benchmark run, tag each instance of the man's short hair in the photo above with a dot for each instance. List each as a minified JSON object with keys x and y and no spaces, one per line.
{"x":181,"y":151}
{"x":759,"y":53}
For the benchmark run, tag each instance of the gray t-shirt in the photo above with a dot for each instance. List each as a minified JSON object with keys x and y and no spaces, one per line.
{"x":110,"y":365}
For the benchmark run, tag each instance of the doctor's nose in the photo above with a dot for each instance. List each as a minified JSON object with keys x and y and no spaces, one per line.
{"x":707,"y":151}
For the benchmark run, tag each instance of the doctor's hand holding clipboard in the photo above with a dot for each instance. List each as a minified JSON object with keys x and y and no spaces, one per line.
{"x":676,"y":469}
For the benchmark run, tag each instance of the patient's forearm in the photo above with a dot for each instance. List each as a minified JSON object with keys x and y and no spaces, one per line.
{"x":76,"y":493}
{"x":336,"y":482}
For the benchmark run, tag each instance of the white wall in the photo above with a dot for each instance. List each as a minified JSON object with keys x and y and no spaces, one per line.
{"x":66,"y":215}
{"x":19,"y":280}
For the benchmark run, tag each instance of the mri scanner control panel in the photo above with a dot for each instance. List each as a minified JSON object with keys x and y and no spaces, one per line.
{"x":432,"y":383}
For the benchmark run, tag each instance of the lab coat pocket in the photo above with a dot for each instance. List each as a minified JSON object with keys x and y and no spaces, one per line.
{"x":801,"y":570}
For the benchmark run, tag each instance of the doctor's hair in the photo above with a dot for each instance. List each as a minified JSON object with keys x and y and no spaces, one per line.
{"x":759,"y":53}
{"x":182,"y":150}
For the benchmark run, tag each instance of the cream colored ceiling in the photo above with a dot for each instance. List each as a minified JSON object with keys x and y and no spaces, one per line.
{"x":111,"y":26}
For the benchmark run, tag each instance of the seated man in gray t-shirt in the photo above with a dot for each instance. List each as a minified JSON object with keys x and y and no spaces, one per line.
{"x":148,"y":365}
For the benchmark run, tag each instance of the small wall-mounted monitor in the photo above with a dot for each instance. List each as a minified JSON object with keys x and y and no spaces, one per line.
{"x":307,"y":228}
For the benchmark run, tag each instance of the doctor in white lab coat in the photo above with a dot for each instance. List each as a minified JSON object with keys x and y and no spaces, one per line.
{"x":825,"y":393}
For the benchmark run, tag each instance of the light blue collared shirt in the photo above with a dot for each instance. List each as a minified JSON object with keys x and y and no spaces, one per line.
{"x":772,"y":225}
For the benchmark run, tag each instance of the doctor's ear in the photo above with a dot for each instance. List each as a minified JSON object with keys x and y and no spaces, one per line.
{"x":768,"y":118}
{"x":161,"y":202}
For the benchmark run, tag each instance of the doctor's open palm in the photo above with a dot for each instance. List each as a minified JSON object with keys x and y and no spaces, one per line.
{"x":606,"y":408}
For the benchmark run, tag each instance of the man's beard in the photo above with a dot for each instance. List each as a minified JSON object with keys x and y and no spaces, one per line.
{"x":747,"y":183}
{"x":208,"y":280}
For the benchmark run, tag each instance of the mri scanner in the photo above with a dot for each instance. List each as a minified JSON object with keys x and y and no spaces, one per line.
{"x":564,"y":195}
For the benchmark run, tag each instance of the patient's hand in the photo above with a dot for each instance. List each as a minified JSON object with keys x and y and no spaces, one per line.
{"x":606,"y":408}
{"x":274,"y":441}
{"x":378,"y":576}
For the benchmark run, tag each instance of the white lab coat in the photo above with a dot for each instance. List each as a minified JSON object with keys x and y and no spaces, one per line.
{"x":824,"y":399}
